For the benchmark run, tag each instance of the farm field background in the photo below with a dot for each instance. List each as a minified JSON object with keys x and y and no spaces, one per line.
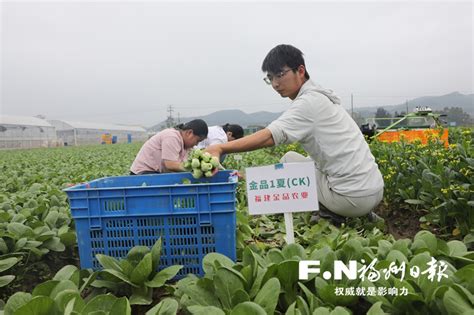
{"x":428,"y":209}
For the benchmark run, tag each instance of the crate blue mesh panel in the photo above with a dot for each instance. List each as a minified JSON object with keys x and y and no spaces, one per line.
{"x":113,"y":214}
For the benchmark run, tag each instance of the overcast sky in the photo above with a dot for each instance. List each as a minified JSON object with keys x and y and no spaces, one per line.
{"x":126,"y":62}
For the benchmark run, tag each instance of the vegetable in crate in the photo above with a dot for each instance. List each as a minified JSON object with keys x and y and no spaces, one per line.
{"x":201,"y":163}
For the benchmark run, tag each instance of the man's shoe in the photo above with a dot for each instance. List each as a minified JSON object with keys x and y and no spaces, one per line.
{"x":335,"y":219}
{"x":374,"y":218}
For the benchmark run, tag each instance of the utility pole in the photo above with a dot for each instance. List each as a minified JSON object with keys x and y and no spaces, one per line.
{"x":407,"y":106}
{"x":169,"y":119}
{"x":352,"y":106}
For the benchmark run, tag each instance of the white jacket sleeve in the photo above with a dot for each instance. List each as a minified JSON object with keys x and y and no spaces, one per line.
{"x":294,"y":124}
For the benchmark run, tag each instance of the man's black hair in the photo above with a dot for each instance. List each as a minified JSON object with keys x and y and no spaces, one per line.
{"x":281,"y":56}
{"x":198,"y":126}
{"x":237,"y":130}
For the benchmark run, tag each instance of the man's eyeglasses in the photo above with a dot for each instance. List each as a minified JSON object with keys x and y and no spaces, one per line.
{"x":270,"y":77}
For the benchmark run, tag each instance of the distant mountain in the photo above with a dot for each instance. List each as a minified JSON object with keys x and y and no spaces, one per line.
{"x":455,"y":99}
{"x":235,"y":116}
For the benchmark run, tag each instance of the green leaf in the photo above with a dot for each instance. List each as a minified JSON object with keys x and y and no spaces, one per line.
{"x":54,"y":244}
{"x":288,"y":274}
{"x":103,"y":302}
{"x":326,"y":256}
{"x":142,"y":270}
{"x":322,"y":311}
{"x":51,"y":219}
{"x":7,"y":263}
{"x":465,"y":293}
{"x":293,"y":311}
{"x":38,"y":305}
{"x":136,"y":254}
{"x":310,"y":296}
{"x":260,"y":278}
{"x":226,"y":283}
{"x":34,"y":188}
{"x":45,"y":236}
{"x":127,"y":267}
{"x":327,"y":293}
{"x":212,"y":261}
{"x":268,"y":295}
{"x":248,"y":258}
{"x":70,"y":307}
{"x":396,"y":256}
{"x":3,"y":246}
{"x":156,"y":254}
{"x":203,"y":310}
{"x":121,"y":307}
{"x":457,"y":248}
{"x":108,"y":262}
{"x":32,"y":244}
{"x":465,"y":275}
{"x":351,"y":250}
{"x":16,"y":301}
{"x":20,"y":230}
{"x":198,"y":294}
{"x":20,"y":244}
{"x":141,"y":296}
{"x":403,"y":246}
{"x":405,"y":303}
{"x":120,"y":276}
{"x":469,"y":238}
{"x":293,"y":250}
{"x":249,"y":273}
{"x":340,"y":311}
{"x":68,"y":239}
{"x":302,"y":306}
{"x":414,"y":201}
{"x":110,"y":285}
{"x":166,"y":307}
{"x":89,"y":280}
{"x":163,"y":276}
{"x":68,"y":272}
{"x":45,"y":288}
{"x":54,"y":201}
{"x":63,"y":299}
{"x":384,"y":248}
{"x":275,"y":256}
{"x":240,"y":296}
{"x":425,"y":240}
{"x":4,"y":280}
{"x":64,"y":285}
{"x":455,"y":303}
{"x":248,"y":308}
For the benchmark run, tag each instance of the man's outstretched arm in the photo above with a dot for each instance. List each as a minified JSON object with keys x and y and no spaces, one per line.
{"x":261,"y":139}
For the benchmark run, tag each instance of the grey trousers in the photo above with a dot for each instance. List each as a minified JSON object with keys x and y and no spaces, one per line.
{"x":337,"y":203}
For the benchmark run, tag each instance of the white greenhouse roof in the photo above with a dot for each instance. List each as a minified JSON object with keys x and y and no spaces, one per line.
{"x":23,"y":121}
{"x":100,"y":126}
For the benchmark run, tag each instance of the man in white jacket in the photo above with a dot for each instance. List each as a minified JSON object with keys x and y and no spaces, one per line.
{"x":221,"y":134}
{"x":348,"y":179}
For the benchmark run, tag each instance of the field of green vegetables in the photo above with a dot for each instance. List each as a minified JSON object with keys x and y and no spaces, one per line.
{"x":428,"y":209}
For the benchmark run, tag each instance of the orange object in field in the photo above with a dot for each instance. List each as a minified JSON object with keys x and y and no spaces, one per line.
{"x":106,"y":138}
{"x":422,"y":135}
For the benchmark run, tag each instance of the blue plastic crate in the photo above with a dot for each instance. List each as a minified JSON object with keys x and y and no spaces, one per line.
{"x":114,"y":214}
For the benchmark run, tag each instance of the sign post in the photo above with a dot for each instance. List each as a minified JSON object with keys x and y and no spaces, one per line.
{"x":282,"y":188}
{"x":290,"y":233}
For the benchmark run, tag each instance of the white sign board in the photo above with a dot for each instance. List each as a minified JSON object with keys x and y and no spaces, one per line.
{"x":282,"y":188}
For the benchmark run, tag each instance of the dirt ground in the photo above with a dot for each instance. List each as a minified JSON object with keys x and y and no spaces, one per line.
{"x":401,"y":223}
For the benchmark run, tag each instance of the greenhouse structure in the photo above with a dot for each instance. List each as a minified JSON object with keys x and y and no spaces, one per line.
{"x":80,"y":133}
{"x":26,"y":132}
